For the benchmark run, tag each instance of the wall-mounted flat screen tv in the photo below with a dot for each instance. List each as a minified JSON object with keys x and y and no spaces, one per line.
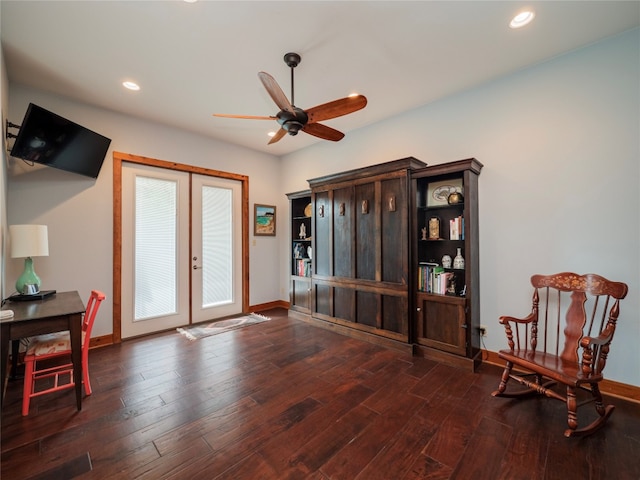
{"x":52,"y":140}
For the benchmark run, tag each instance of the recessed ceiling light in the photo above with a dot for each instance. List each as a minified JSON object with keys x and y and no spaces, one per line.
{"x":131,"y":85}
{"x":190,"y":1}
{"x":522,"y":19}
{"x":271,"y":134}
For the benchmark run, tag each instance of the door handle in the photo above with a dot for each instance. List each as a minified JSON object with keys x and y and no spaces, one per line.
{"x":195,"y":267}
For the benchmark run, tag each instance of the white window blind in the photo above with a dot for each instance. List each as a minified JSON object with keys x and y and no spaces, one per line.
{"x":217,"y":246}
{"x":155,"y":247}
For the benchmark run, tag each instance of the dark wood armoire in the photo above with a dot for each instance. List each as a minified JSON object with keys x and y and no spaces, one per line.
{"x":384,"y":264}
{"x":360,"y":243}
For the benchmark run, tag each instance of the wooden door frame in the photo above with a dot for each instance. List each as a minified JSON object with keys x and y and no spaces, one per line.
{"x":118,"y":158}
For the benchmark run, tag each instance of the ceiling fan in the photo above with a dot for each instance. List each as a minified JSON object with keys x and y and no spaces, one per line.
{"x":293,"y":119}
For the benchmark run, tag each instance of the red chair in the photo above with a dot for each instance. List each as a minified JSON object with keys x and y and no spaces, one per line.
{"x":55,"y":346}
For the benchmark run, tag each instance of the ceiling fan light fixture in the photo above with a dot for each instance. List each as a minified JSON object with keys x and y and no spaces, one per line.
{"x":521,"y":19}
{"x":292,"y":127}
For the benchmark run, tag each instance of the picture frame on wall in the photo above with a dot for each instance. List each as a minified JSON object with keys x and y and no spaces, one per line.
{"x":264,"y":220}
{"x":438,"y":192}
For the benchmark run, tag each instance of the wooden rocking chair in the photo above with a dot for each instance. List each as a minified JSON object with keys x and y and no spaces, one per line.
{"x":535,"y":341}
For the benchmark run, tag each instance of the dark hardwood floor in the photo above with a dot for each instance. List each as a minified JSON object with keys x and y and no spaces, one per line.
{"x":287,"y":400}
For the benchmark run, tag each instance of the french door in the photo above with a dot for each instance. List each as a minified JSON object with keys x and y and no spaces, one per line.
{"x":181,"y":248}
{"x":216,"y":258}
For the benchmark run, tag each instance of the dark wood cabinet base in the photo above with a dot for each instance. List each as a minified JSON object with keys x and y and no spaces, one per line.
{"x":448,"y":358}
{"x":353,"y":333}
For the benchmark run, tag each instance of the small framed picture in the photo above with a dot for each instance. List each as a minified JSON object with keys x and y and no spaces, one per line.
{"x":264,"y":217}
{"x":438,"y":192}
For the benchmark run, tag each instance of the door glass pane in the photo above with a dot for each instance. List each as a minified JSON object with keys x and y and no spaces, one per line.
{"x":217,"y":246}
{"x":155,"y":247}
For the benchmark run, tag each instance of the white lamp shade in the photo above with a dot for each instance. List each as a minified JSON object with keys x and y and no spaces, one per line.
{"x":29,"y":241}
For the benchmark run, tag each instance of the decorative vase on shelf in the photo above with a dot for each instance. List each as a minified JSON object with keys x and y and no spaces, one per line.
{"x":434,"y":228}
{"x":455,"y":197}
{"x":446,"y":261}
{"x":458,"y":261}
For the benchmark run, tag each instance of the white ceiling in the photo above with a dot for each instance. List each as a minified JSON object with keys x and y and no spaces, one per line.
{"x":192,"y":60}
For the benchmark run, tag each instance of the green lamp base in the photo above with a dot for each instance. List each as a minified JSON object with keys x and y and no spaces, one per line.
{"x":28,"y":283}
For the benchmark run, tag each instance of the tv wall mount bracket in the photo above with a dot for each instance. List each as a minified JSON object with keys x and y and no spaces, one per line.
{"x":11,"y":125}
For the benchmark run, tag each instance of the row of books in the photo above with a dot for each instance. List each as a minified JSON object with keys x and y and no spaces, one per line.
{"x":456,"y":228}
{"x":303,"y":267}
{"x":432,"y":278}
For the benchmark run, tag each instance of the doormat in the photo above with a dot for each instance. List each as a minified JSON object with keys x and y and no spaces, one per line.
{"x":214,"y":328}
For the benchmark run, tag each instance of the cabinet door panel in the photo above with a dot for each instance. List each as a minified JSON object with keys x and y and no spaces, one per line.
{"x":366,"y":213}
{"x":300,"y":293}
{"x":394,"y":314}
{"x":342,"y":228}
{"x":394,"y":230}
{"x":367,"y":308}
{"x":322,"y":232}
{"x":322,"y":298}
{"x":343,"y":300}
{"x":442,"y":325}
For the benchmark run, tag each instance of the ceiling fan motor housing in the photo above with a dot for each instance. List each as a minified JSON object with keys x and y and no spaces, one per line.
{"x":290,"y":122}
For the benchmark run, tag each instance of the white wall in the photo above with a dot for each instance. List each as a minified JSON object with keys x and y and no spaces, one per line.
{"x":79,"y":210}
{"x":559,"y":190}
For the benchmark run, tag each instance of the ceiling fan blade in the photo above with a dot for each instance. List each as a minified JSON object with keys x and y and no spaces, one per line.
{"x":276,"y":93}
{"x":250,"y":117}
{"x":337,"y":108}
{"x":279,"y":134}
{"x":322,"y":131}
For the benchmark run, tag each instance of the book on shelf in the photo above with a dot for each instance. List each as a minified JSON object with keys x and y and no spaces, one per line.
{"x":432,"y":278}
{"x":445,"y":280}
{"x":456,"y":228}
{"x":303,"y":267}
{"x":426,"y":275}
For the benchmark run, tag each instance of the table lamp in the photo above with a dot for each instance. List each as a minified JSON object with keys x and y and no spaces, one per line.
{"x":28,"y":241}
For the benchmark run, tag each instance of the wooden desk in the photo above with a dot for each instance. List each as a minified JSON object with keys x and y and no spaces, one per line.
{"x":59,"y":312}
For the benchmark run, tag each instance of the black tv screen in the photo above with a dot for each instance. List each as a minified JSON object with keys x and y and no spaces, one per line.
{"x":52,"y":140}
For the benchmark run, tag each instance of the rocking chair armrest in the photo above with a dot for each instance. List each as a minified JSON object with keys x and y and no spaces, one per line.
{"x":602,"y":339}
{"x":505,"y":319}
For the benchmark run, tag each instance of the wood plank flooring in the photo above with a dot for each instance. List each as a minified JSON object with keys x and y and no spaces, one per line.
{"x":287,"y":400}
